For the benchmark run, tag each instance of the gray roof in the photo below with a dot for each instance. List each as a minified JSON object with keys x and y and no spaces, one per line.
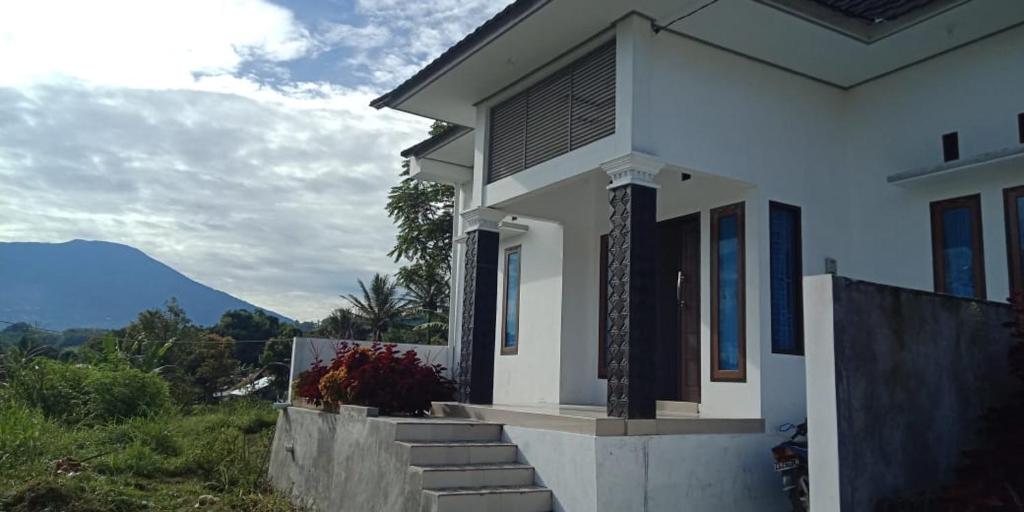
{"x":874,"y":11}
{"x":450,"y":133}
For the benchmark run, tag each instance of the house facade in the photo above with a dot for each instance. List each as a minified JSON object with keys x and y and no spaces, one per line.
{"x":642,"y":186}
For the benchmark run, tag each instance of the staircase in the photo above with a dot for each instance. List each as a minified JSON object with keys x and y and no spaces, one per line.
{"x":464,"y":466}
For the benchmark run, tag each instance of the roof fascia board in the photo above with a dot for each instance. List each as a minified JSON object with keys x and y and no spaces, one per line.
{"x":436,"y":142}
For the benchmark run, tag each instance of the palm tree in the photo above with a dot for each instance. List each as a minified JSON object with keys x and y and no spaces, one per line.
{"x":429,"y":297}
{"x":342,"y":323}
{"x":380,"y":306}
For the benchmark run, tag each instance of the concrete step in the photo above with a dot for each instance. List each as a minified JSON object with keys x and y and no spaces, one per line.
{"x":447,"y":431}
{"x":464,"y":452}
{"x":475,"y":475}
{"x":528,"y":498}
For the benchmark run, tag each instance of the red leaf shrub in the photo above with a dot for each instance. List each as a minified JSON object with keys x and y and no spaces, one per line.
{"x":307,"y":385}
{"x":376,"y":376}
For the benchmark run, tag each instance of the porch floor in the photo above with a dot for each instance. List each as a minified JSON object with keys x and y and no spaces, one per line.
{"x":674,"y":418}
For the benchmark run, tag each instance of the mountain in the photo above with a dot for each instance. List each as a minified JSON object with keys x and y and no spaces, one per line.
{"x":97,"y":284}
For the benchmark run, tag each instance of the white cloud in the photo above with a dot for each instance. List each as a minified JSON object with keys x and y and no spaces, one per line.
{"x":342,"y":34}
{"x":145,"y":123}
{"x":418,"y":32}
{"x":279,"y":201}
{"x":142,"y":43}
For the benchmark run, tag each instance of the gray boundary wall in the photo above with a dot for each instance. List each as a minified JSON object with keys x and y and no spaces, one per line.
{"x":896,"y":382}
{"x":342,"y":462}
{"x":305,"y":350}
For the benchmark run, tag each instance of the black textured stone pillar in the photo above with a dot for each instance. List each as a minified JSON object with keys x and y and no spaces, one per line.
{"x":631,"y":274}
{"x":479,"y":302}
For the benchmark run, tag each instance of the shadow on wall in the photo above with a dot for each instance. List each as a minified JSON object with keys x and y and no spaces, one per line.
{"x":913,"y":371}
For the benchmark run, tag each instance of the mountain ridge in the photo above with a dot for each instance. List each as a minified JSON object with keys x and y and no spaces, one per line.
{"x":94,"y":283}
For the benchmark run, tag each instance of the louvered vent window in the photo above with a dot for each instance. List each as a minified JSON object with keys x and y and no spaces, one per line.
{"x":570,"y":109}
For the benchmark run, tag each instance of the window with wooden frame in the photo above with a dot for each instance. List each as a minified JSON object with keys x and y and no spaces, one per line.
{"x":958,"y":258}
{"x":728,"y":308}
{"x":510,"y":308}
{"x":602,"y":314}
{"x":1013,"y":200}
{"x":786,"y":268}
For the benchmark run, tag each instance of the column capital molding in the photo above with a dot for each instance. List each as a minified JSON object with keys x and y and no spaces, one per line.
{"x":482,"y":219}
{"x":633,"y":168}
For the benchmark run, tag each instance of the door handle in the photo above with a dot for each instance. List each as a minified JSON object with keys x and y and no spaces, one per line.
{"x":679,"y":288}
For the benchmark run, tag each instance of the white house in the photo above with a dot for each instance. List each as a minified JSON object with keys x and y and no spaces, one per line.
{"x":642,"y":185}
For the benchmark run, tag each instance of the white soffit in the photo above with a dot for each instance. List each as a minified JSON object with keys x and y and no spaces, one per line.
{"x":787,"y":40}
{"x":457,"y":152}
{"x":553,"y":28}
{"x":748,"y":27}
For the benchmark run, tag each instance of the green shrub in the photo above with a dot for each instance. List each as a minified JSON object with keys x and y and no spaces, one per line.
{"x":125,"y":393}
{"x":75,"y":394}
{"x":25,"y":435}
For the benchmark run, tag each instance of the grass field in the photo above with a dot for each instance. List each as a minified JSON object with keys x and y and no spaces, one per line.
{"x":202,"y":458}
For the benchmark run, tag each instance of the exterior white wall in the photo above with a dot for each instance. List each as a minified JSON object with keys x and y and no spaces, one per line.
{"x":749,"y":131}
{"x":822,"y":426}
{"x":896,"y":124}
{"x":695,"y":473}
{"x":531,"y":375}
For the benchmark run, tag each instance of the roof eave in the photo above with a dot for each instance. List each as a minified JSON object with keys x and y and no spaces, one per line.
{"x":498,"y":23}
{"x":435,"y":142}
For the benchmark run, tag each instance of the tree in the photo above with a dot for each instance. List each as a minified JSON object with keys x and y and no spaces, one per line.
{"x":423,"y":213}
{"x":247,"y":326}
{"x":380,"y":306}
{"x":155,"y":341}
{"x":275,"y":359}
{"x":342,"y":324}
{"x":428,"y":299}
{"x":213,"y":366}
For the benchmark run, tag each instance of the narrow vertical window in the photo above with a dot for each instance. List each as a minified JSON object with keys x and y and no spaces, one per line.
{"x":602,"y":301}
{"x":728,"y":311}
{"x":1014,"y":204}
{"x":510,"y":334}
{"x":951,"y":146}
{"x":786,"y":273}
{"x":957,"y":255}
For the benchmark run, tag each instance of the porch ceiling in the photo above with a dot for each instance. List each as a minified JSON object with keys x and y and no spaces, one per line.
{"x":792,"y":34}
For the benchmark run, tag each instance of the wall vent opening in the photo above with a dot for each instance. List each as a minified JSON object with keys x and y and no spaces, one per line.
{"x":1020,"y":127}
{"x":951,"y":146}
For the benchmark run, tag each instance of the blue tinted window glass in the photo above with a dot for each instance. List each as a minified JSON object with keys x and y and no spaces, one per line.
{"x":784,"y":226}
{"x":1020,"y":225}
{"x":957,"y":253}
{"x":728,"y":294}
{"x":512,"y":300}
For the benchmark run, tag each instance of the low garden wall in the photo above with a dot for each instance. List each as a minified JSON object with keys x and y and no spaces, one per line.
{"x":896,"y":382}
{"x":306,"y":350}
{"x":346,"y":461}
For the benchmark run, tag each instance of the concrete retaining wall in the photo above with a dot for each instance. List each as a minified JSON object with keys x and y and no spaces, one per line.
{"x":693,"y":473}
{"x":896,"y":382}
{"x":341,"y":462}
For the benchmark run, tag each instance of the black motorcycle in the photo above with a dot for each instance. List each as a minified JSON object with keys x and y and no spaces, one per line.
{"x":791,"y":461}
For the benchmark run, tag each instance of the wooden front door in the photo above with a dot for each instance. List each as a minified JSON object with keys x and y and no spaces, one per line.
{"x":678,"y":309}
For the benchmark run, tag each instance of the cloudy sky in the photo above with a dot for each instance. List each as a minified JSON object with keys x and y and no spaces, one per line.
{"x":230,"y":139}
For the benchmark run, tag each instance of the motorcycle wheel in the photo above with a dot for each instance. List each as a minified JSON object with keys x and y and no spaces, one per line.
{"x":800,"y":496}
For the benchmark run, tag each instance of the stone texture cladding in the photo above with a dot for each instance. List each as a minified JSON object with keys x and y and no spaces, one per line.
{"x":631,"y":267}
{"x":479,"y":304}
